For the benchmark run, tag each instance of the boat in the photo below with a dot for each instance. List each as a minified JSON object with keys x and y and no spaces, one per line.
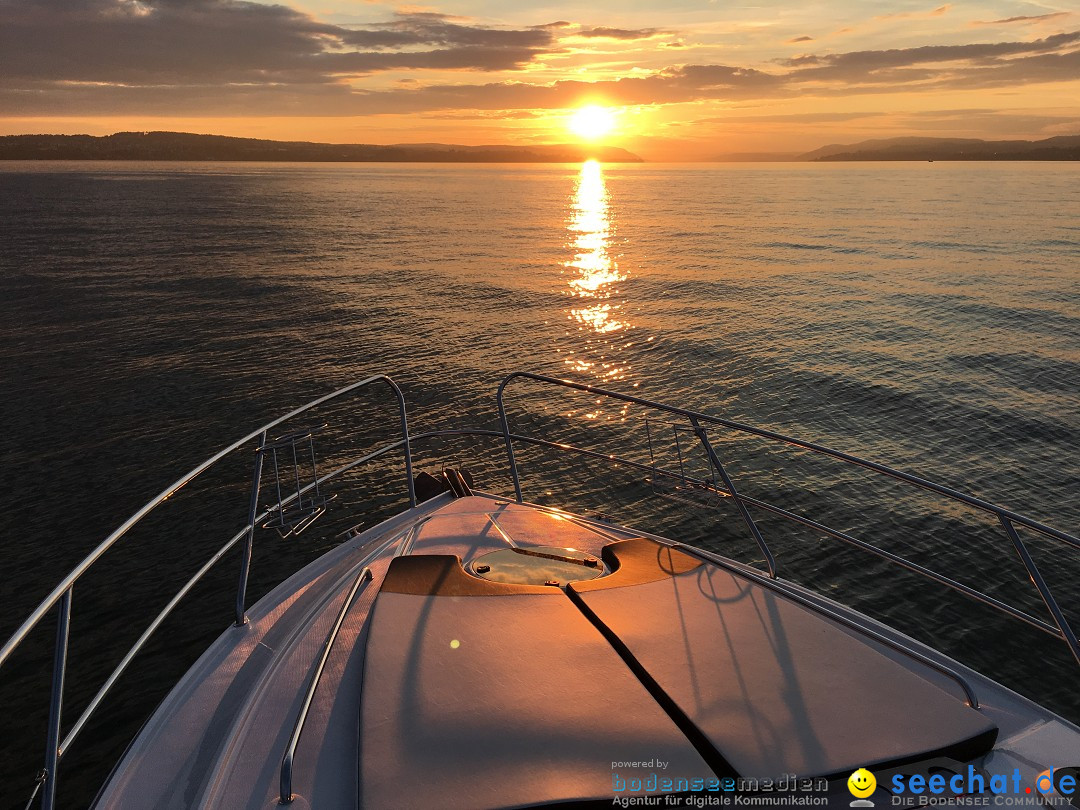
{"x":479,"y":650}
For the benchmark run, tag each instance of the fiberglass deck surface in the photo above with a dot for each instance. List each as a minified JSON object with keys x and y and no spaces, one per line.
{"x":665,"y":658}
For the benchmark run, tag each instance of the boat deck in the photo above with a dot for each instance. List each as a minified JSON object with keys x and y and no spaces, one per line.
{"x":443,"y":688}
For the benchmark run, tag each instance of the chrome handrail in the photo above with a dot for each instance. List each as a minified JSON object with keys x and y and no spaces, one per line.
{"x":285,"y":779}
{"x":1006,"y":517}
{"x":153,"y":626}
{"x":62,"y":593}
{"x":140,"y":643}
{"x":923,"y":483}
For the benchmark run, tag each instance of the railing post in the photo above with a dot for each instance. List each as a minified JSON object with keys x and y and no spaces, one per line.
{"x":56,"y":702}
{"x":245,"y":551}
{"x":405,"y":438}
{"x":700,"y":432}
{"x":506,"y":437}
{"x":1041,"y":586}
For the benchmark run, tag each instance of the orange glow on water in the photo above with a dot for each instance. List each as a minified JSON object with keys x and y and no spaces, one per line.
{"x":595,"y":283}
{"x":598,"y":272}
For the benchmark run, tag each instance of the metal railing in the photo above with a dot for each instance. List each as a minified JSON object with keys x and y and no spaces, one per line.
{"x":1008,"y":519}
{"x":285,"y":779}
{"x":62,"y":593}
{"x":61,"y":596}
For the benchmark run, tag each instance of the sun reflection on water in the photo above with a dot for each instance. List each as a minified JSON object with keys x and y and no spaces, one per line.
{"x":595,"y":311}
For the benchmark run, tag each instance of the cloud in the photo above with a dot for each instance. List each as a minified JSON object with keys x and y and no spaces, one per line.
{"x":231,"y":41}
{"x":1037,"y":18}
{"x":429,"y":28}
{"x":855,"y":64}
{"x":937,"y":12}
{"x":1047,"y":67}
{"x":602,"y":32}
{"x":998,"y":122}
{"x":238,"y":58}
{"x":930,"y":67}
{"x":490,"y":115}
{"x":685,"y":83}
{"x":795,"y":118}
{"x":800,"y":39}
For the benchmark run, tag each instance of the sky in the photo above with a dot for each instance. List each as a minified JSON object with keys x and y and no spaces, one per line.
{"x":682,"y":79}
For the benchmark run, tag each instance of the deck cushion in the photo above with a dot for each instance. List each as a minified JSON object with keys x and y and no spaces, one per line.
{"x":775,"y":687}
{"x":479,"y":697}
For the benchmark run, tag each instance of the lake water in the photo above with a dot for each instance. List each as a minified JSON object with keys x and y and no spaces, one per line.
{"x":926,"y":316}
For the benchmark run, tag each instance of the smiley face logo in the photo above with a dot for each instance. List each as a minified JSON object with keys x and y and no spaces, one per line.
{"x":861,"y":783}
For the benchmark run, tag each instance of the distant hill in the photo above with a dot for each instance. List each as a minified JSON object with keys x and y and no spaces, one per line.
{"x":1063,"y":147}
{"x":185,"y":146}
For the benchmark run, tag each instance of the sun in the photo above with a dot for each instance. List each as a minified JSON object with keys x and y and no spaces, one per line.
{"x":592,"y":122}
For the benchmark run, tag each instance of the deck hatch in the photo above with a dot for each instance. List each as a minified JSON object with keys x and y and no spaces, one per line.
{"x":537,"y":565}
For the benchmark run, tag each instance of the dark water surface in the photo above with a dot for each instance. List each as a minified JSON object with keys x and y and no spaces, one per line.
{"x":926,"y":316}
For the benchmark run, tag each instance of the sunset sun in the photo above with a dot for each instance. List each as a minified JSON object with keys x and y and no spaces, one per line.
{"x":592,"y":122}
